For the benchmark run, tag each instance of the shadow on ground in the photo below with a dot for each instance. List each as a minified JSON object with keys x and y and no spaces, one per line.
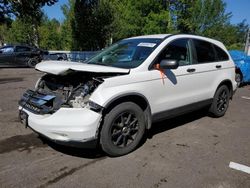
{"x":157,"y":128}
{"x":21,"y":143}
{"x":172,"y":123}
{"x":89,"y":153}
{"x":32,"y":141}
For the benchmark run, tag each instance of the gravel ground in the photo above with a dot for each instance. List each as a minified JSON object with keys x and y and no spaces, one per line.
{"x":192,"y":150}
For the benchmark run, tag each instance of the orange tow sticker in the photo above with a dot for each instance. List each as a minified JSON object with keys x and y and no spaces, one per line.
{"x":157,"y":67}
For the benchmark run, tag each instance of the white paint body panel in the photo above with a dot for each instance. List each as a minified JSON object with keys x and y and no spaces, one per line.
{"x":67,"y":124}
{"x":189,"y":87}
{"x":179,"y":88}
{"x":61,"y":67}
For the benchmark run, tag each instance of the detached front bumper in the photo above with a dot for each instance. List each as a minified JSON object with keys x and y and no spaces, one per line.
{"x":67,"y":126}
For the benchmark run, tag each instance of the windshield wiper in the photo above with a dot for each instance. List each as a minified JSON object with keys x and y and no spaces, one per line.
{"x":96,"y":63}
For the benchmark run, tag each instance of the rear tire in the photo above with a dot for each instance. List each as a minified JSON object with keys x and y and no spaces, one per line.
{"x":238,"y":79}
{"x":220,"y":102}
{"x":123,"y":129}
{"x":32,"y":62}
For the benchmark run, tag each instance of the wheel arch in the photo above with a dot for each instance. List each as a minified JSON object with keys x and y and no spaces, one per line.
{"x":229,"y":84}
{"x":138,"y":99}
{"x":238,"y":70}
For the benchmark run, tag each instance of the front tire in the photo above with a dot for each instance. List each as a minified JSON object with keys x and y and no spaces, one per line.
{"x":123,"y":129}
{"x":220,"y":101}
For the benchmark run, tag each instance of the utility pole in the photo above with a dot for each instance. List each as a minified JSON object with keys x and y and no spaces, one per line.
{"x":247,"y":45}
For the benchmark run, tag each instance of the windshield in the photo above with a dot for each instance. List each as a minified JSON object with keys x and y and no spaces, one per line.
{"x":128,"y":53}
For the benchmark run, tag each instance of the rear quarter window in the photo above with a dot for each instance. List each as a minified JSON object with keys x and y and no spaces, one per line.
{"x":205,"y":52}
{"x":221,"y":54}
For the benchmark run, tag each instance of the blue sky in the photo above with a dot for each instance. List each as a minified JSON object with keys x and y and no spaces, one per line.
{"x":55,"y":11}
{"x":240,"y":10}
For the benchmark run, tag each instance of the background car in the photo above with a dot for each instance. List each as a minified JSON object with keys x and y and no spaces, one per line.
{"x":20,"y":56}
{"x":56,"y":56}
{"x":242,"y":65}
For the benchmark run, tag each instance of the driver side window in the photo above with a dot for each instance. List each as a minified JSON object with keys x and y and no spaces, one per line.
{"x":178,"y":50}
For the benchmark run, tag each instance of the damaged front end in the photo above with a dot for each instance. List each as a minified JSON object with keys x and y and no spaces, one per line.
{"x":72,"y":90}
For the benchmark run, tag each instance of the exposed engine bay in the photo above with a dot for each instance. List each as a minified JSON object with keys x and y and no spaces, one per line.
{"x":55,"y":91}
{"x":70,"y":90}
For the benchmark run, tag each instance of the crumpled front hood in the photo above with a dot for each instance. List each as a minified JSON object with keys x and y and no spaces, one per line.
{"x":60,"y":67}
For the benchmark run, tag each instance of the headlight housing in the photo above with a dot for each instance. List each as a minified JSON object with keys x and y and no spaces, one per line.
{"x":94,"y":106}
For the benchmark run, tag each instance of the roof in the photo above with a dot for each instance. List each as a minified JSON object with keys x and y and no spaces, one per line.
{"x":157,"y":36}
{"x":163,"y":36}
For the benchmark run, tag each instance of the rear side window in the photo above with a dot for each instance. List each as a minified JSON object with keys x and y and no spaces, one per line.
{"x":204,"y":51}
{"x":22,"y":49}
{"x":221,"y":54}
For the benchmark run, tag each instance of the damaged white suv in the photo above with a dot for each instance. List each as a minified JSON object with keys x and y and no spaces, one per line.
{"x":116,"y":95}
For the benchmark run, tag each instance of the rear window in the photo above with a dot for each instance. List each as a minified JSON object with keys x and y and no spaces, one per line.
{"x":204,"y":51}
{"x":221,"y":54}
{"x":6,"y":50}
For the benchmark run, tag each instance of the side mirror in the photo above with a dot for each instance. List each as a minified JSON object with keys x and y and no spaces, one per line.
{"x":169,"y":64}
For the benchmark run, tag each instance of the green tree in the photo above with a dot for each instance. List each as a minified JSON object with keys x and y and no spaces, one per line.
{"x":141,"y":17}
{"x":199,"y":16}
{"x":208,"y":18}
{"x":241,"y":32}
{"x":102,"y":25}
{"x":29,"y":11}
{"x":20,"y":32}
{"x":4,"y":28}
{"x":3,"y":33}
{"x":50,"y":34}
{"x":91,"y":24}
{"x":23,"y":8}
{"x":66,"y":29}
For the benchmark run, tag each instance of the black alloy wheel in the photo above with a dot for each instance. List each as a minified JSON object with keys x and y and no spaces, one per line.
{"x":220,"y":101}
{"x":123,"y":129}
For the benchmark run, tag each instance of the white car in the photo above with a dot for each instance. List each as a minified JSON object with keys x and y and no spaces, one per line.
{"x":116,"y":95}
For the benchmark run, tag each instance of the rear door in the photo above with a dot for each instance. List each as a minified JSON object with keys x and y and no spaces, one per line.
{"x":208,"y":63}
{"x":22,"y":54}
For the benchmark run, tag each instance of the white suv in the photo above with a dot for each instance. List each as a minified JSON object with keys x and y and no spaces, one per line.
{"x":116,"y":95}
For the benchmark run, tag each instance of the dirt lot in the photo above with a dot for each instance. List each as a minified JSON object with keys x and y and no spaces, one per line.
{"x":189,"y":151}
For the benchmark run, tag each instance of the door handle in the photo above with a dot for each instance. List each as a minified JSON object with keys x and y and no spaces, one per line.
{"x":190,"y":70}
{"x":218,"y":66}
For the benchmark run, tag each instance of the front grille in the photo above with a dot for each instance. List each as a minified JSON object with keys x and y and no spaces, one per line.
{"x":37,"y":103}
